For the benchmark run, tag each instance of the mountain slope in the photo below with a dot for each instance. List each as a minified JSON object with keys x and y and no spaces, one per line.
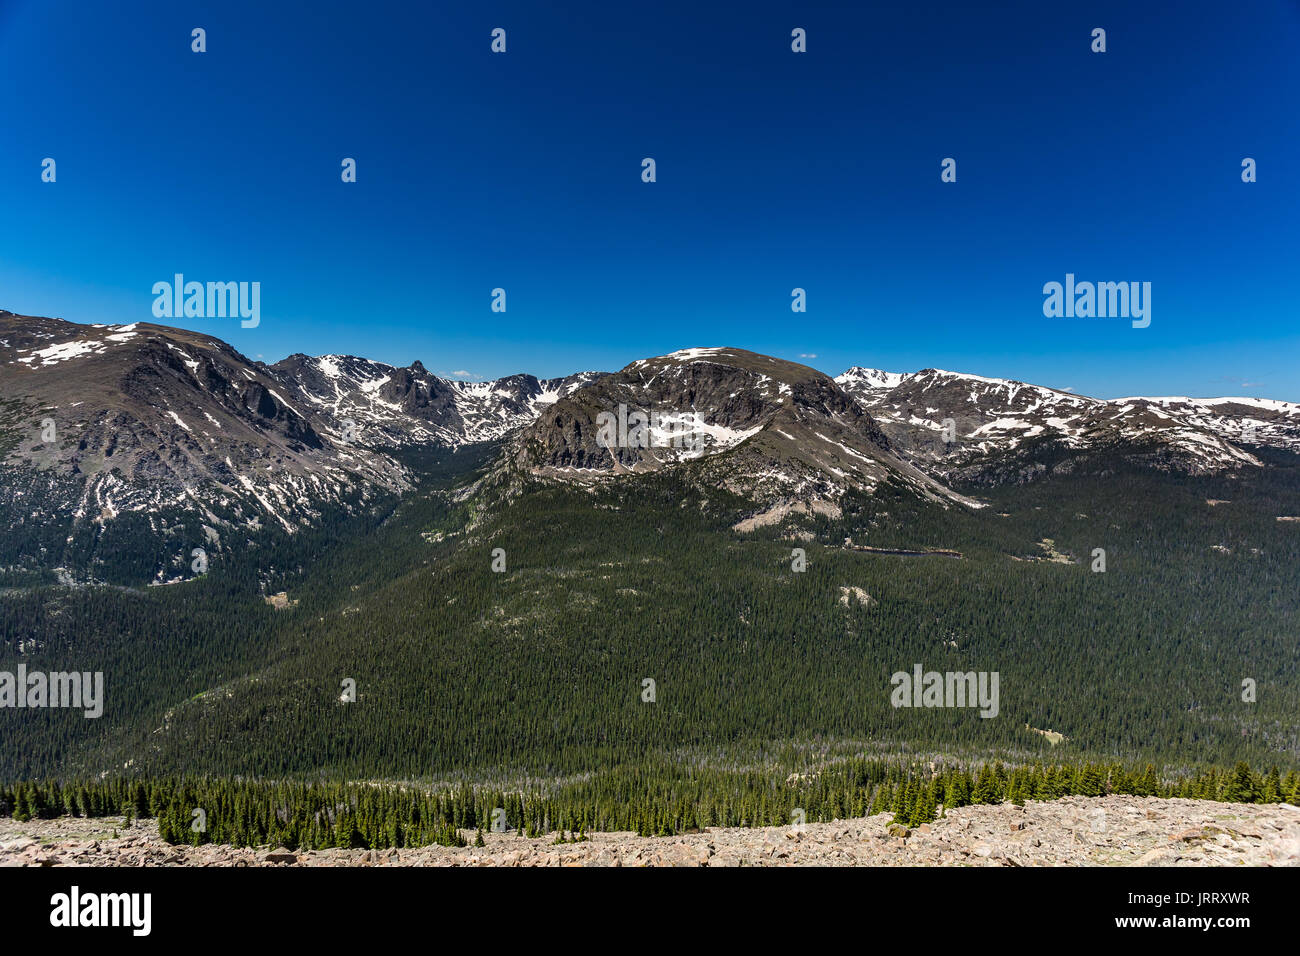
{"x":999,"y":419}
{"x":178,"y":435}
{"x":143,"y":417}
{"x":181,"y":433}
{"x":625,"y":563}
{"x":388,"y":406}
{"x":756,"y":426}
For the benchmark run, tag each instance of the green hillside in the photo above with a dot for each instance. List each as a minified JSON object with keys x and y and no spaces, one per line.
{"x":463,"y":672}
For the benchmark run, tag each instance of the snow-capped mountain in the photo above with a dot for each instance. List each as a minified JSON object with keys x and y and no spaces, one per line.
{"x":371,"y":403}
{"x":168,"y":426}
{"x":758,"y":426}
{"x":104,"y":421}
{"x":954,"y":421}
{"x":142,"y":418}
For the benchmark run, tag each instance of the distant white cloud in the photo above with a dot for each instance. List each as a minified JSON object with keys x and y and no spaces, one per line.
{"x":807,"y":354}
{"x":463,"y":374}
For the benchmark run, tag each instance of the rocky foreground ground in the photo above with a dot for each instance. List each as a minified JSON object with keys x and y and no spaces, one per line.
{"x":1076,"y":831}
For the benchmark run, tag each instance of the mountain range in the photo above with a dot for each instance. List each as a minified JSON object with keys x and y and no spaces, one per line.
{"x":152,"y":421}
{"x":500,"y":566}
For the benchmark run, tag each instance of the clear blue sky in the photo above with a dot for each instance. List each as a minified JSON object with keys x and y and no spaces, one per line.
{"x":775,"y":170}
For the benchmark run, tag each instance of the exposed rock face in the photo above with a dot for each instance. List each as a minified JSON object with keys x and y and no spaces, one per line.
{"x":107,"y":420}
{"x":385,"y":405}
{"x":145,"y":418}
{"x":394,"y":407}
{"x":1075,"y":831}
{"x":754,"y":425}
{"x":166,"y":424}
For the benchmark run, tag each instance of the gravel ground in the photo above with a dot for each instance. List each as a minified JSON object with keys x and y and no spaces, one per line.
{"x":1076,"y":831}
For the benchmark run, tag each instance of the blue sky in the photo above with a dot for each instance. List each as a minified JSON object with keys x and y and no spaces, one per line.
{"x":775,"y":170}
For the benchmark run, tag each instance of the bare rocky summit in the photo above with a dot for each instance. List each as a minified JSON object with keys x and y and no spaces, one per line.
{"x":759,"y":427}
{"x":1075,"y":831}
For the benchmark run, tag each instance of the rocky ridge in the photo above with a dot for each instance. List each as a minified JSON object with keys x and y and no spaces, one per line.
{"x":178,"y":429}
{"x":996,"y":427}
{"x":756,"y":426}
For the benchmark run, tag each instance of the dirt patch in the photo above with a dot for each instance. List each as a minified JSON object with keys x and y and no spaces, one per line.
{"x":1052,"y":736}
{"x":779,"y":512}
{"x":280,"y":601}
{"x":850,"y":594}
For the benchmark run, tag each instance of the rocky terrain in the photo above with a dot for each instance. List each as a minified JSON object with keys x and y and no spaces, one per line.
{"x":159,"y":428}
{"x":1075,"y":831}
{"x":105,"y":421}
{"x":998,"y":427}
{"x":765,"y":429}
{"x":175,"y":434}
{"x":384,"y":406}
{"x":140,"y":417}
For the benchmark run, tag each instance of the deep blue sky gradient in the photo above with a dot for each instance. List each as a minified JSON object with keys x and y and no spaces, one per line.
{"x":775,"y":170}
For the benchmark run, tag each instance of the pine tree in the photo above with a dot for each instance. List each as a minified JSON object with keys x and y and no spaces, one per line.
{"x":923,"y":809}
{"x":1241,"y":787}
{"x":986,"y":790}
{"x":1272,"y":787}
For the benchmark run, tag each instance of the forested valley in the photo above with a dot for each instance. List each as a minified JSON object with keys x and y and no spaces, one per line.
{"x":407,"y":683}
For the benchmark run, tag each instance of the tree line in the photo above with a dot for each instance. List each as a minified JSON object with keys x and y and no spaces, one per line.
{"x":645,"y":799}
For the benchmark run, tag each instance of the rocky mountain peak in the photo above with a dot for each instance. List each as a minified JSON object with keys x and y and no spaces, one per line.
{"x":757,"y":425}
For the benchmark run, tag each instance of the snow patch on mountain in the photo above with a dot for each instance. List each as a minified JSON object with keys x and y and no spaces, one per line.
{"x":988,"y":416}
